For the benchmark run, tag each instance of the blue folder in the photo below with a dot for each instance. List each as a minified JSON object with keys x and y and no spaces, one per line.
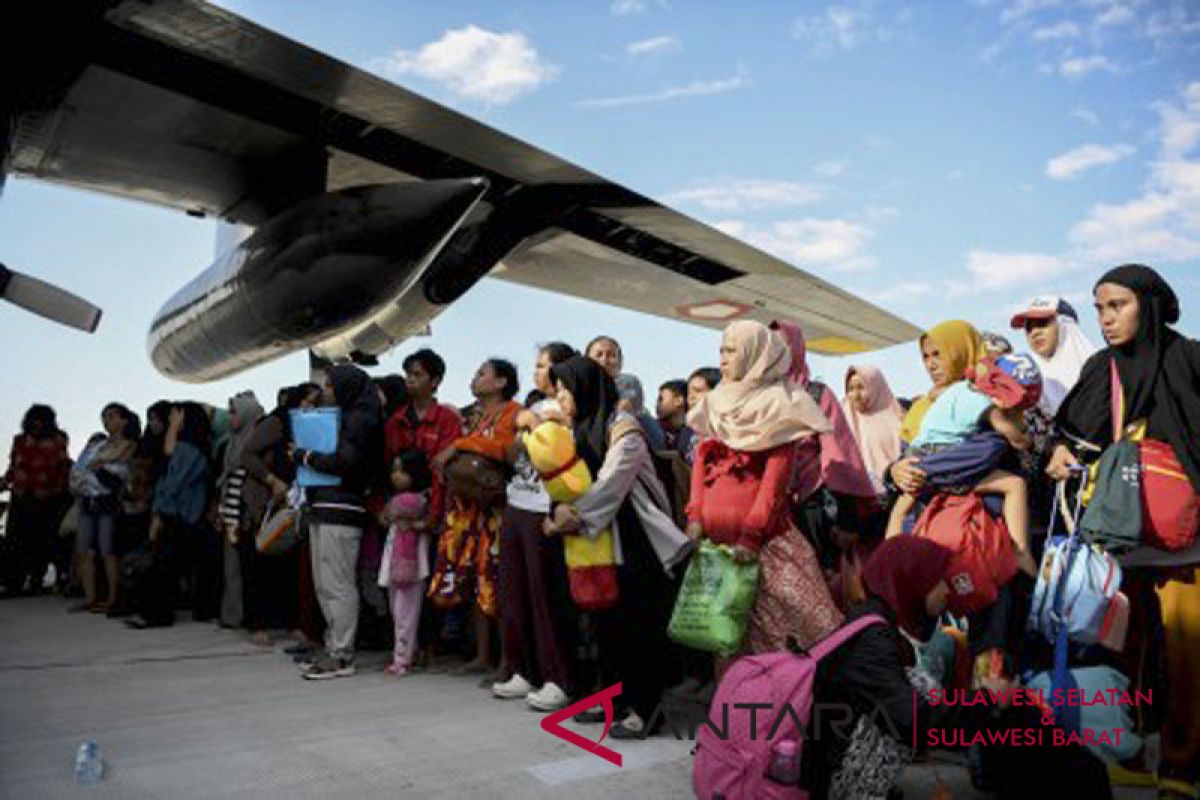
{"x":316,"y":430}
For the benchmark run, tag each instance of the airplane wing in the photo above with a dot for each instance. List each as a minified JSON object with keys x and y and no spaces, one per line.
{"x":181,"y":103}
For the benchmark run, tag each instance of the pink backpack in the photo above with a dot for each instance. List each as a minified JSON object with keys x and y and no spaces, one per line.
{"x":737,"y":767}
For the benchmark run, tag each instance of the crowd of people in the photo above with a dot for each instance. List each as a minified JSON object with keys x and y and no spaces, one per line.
{"x":437,"y":537}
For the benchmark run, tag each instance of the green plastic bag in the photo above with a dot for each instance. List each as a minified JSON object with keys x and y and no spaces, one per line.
{"x":715,"y":600}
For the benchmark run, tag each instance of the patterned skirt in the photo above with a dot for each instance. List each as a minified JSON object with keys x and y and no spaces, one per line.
{"x":467,"y":558}
{"x":793,"y":598}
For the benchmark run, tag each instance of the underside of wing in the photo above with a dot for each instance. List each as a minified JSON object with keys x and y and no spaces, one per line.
{"x":181,"y":103}
{"x":718,"y":279}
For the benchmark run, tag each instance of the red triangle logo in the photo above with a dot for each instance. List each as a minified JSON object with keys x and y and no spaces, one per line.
{"x":604,"y":699}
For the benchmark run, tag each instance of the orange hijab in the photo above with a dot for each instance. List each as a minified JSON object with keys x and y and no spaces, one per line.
{"x":960,"y":346}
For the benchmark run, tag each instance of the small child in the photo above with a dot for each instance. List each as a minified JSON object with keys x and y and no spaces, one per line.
{"x":995,"y":393}
{"x":405,"y":563}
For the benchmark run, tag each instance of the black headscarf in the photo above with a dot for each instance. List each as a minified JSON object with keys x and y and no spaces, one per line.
{"x":353,"y":389}
{"x":596,"y":399}
{"x":1159,"y":371}
{"x":395,"y":390}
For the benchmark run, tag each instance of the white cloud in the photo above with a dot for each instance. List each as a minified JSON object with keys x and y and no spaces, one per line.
{"x":736,"y":196}
{"x":1053,"y":33}
{"x":847,"y":25}
{"x":1165,"y":27}
{"x":1114,"y":15}
{"x":623,"y":8}
{"x":1088,"y":116}
{"x":830,"y":169}
{"x":835,"y":243}
{"x":1071,"y":163}
{"x":475,"y":64}
{"x":1079,"y":66}
{"x":1024,"y":8}
{"x":990,"y":270}
{"x":1162,"y":224}
{"x":658,"y":44}
{"x":692,"y":89}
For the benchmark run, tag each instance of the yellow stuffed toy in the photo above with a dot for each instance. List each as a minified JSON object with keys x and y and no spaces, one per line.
{"x":591,"y":565}
{"x":551,"y":449}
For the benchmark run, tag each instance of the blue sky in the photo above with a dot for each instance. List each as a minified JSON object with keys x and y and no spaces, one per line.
{"x":943,"y":160}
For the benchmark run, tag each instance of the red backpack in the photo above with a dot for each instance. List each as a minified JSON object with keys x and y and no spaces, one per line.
{"x":983,"y":559}
{"x":735,"y":766}
{"x":1170,"y":506}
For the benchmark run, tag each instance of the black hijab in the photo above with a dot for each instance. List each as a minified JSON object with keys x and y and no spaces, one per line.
{"x":1159,"y":371}
{"x":353,"y":390}
{"x":596,"y":399}
{"x":395,"y":390}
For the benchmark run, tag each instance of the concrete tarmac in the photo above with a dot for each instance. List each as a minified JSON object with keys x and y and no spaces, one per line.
{"x":195,"y":711}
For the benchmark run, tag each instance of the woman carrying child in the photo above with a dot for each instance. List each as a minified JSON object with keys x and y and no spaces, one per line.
{"x":999,"y":390}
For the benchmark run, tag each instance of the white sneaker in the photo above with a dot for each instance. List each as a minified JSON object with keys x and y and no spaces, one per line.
{"x":548,"y":698}
{"x":511,"y":689}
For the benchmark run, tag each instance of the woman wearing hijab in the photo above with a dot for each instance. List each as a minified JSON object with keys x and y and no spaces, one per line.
{"x":633,"y":400}
{"x":628,"y":498}
{"x":272,"y":585}
{"x":1058,"y":344}
{"x":338,"y":513}
{"x":1159,"y":372}
{"x":947,"y":349}
{"x":750,"y":429}
{"x":181,"y":539}
{"x":875,"y":418}
{"x":1060,"y":349}
{"x":906,"y":587}
{"x":236,"y":525}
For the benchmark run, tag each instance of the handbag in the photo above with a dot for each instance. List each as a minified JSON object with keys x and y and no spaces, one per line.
{"x":1113,"y":518}
{"x":477,"y":479}
{"x":1078,"y":588}
{"x":591,"y":570}
{"x":282,"y":527}
{"x":714,"y":602}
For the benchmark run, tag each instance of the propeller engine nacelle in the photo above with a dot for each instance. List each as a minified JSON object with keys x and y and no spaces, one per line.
{"x":327,"y":265}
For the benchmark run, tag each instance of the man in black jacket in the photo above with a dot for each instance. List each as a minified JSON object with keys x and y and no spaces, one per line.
{"x":338,"y":513}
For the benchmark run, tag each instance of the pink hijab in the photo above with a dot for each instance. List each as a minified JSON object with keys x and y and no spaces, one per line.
{"x":878,"y":428}
{"x":831,"y":459}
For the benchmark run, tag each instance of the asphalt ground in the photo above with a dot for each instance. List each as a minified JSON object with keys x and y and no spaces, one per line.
{"x":194,"y":711}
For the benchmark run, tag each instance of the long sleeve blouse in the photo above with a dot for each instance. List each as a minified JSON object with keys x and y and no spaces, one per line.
{"x":740,"y":498}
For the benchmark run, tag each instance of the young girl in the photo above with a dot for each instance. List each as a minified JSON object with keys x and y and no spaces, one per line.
{"x":994,"y":394}
{"x":405,"y":564}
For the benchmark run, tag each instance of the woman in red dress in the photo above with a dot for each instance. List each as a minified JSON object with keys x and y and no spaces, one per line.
{"x":749,"y":428}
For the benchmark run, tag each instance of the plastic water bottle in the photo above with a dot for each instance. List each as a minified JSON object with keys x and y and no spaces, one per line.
{"x":89,"y":766}
{"x":785,"y":763}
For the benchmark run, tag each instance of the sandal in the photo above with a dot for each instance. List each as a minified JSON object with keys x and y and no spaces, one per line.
{"x":632,"y":727}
